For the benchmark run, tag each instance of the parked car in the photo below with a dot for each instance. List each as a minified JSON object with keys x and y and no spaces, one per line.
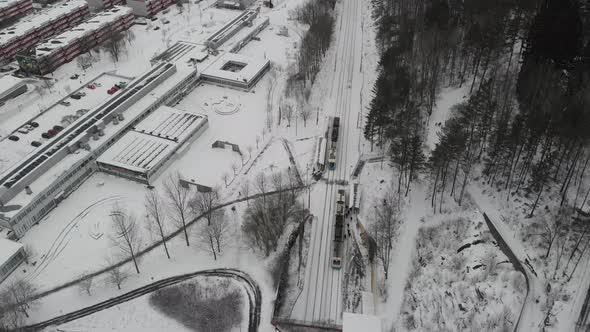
{"x":97,"y":84}
{"x":74,"y":77}
{"x":153,"y":18}
{"x":34,"y":124}
{"x":36,"y":144}
{"x":52,"y":132}
{"x":113,"y":90}
{"x":65,"y":103}
{"x":22,"y":130}
{"x":45,"y":136}
{"x":13,"y":138}
{"x":91,"y":86}
{"x":156,"y":28}
{"x":58,"y":128}
{"x":76,"y":97}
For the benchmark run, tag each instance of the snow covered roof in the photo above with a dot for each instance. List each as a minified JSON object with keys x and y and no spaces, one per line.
{"x":8,"y":82}
{"x":96,"y":22}
{"x":7,"y":249}
{"x":40,"y":20}
{"x":153,"y":140}
{"x":359,"y":322}
{"x":245,"y":70}
{"x":7,"y":3}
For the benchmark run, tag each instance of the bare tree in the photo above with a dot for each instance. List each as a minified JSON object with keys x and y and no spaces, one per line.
{"x":86,"y":285}
{"x":225,"y":178}
{"x":386,"y":228}
{"x":29,"y":252}
{"x":204,"y":203}
{"x":261,"y":184}
{"x":235,"y":167}
{"x":305,"y":113}
{"x":116,"y":275}
{"x":288,"y":113}
{"x":84,"y":61}
{"x":250,"y":148}
{"x":179,"y":198}
{"x":242,"y":160}
{"x":245,"y":190}
{"x":126,"y":234}
{"x":15,"y":301}
{"x":156,"y":216}
{"x":215,"y":235}
{"x":114,"y":44}
{"x":257,"y":140}
{"x":265,"y":221}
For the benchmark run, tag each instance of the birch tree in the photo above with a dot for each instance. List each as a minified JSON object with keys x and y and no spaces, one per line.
{"x":156,"y":217}
{"x":126,"y":235}
{"x":179,"y":200}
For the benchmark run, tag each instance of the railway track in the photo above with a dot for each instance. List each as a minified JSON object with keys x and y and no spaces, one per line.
{"x":251,"y":287}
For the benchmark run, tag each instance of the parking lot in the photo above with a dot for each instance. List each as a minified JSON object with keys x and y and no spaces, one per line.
{"x":34,"y":133}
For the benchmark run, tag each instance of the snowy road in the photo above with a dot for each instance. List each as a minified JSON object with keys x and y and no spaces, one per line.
{"x":321,"y":298}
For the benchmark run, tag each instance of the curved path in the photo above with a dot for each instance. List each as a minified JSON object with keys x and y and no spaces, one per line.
{"x":251,"y":287}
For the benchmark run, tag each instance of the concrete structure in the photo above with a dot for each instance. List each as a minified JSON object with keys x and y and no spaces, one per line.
{"x":140,"y":154}
{"x":11,"y":255}
{"x":246,"y":34}
{"x":98,"y":5}
{"x":49,"y":55}
{"x":11,"y":87}
{"x":41,"y":26}
{"x":234,"y":4}
{"x":148,"y":8}
{"x":230,"y":29}
{"x":10,"y":10}
{"x":359,"y":322}
{"x":236,"y":71}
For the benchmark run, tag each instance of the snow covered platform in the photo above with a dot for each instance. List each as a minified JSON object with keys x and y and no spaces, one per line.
{"x":11,"y":87}
{"x":236,"y":70}
{"x":11,"y":255}
{"x":141,"y":153}
{"x":357,"y":322}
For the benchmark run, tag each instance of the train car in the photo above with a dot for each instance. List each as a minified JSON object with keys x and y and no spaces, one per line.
{"x":320,"y":158}
{"x":338,"y":230}
{"x":334,"y":142}
{"x":354,"y":197}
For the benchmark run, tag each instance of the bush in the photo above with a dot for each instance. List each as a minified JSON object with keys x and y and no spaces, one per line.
{"x":210,"y":306}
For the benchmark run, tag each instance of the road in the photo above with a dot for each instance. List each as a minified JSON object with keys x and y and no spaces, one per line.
{"x":251,"y":287}
{"x":321,"y":298}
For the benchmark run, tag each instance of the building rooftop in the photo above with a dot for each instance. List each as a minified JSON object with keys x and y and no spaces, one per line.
{"x":94,"y":23}
{"x":236,"y":67}
{"x":8,"y":82}
{"x":6,"y":3}
{"x":153,"y":139}
{"x":7,"y":249}
{"x":57,"y":114}
{"x":41,"y":19}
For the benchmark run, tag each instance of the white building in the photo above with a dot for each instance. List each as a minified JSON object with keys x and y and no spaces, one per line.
{"x":140,"y":154}
{"x":11,"y":87}
{"x":236,"y":70}
{"x":11,"y":255}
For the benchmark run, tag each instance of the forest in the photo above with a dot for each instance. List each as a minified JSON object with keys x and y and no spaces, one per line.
{"x":525,"y":64}
{"x":520,"y":133}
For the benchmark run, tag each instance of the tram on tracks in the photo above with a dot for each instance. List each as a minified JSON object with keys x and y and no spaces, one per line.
{"x":335,"y":128}
{"x":319,"y":157}
{"x":338,"y":241}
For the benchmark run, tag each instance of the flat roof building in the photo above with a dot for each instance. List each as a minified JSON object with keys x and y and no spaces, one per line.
{"x":33,"y":184}
{"x":140,"y":154}
{"x":11,"y":87}
{"x":236,"y":71}
{"x":10,"y":10}
{"x":47,"y":23}
{"x":11,"y":255}
{"x":49,"y":55}
{"x":148,"y":8}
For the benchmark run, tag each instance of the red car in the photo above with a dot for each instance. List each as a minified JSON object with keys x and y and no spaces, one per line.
{"x":112,"y":90}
